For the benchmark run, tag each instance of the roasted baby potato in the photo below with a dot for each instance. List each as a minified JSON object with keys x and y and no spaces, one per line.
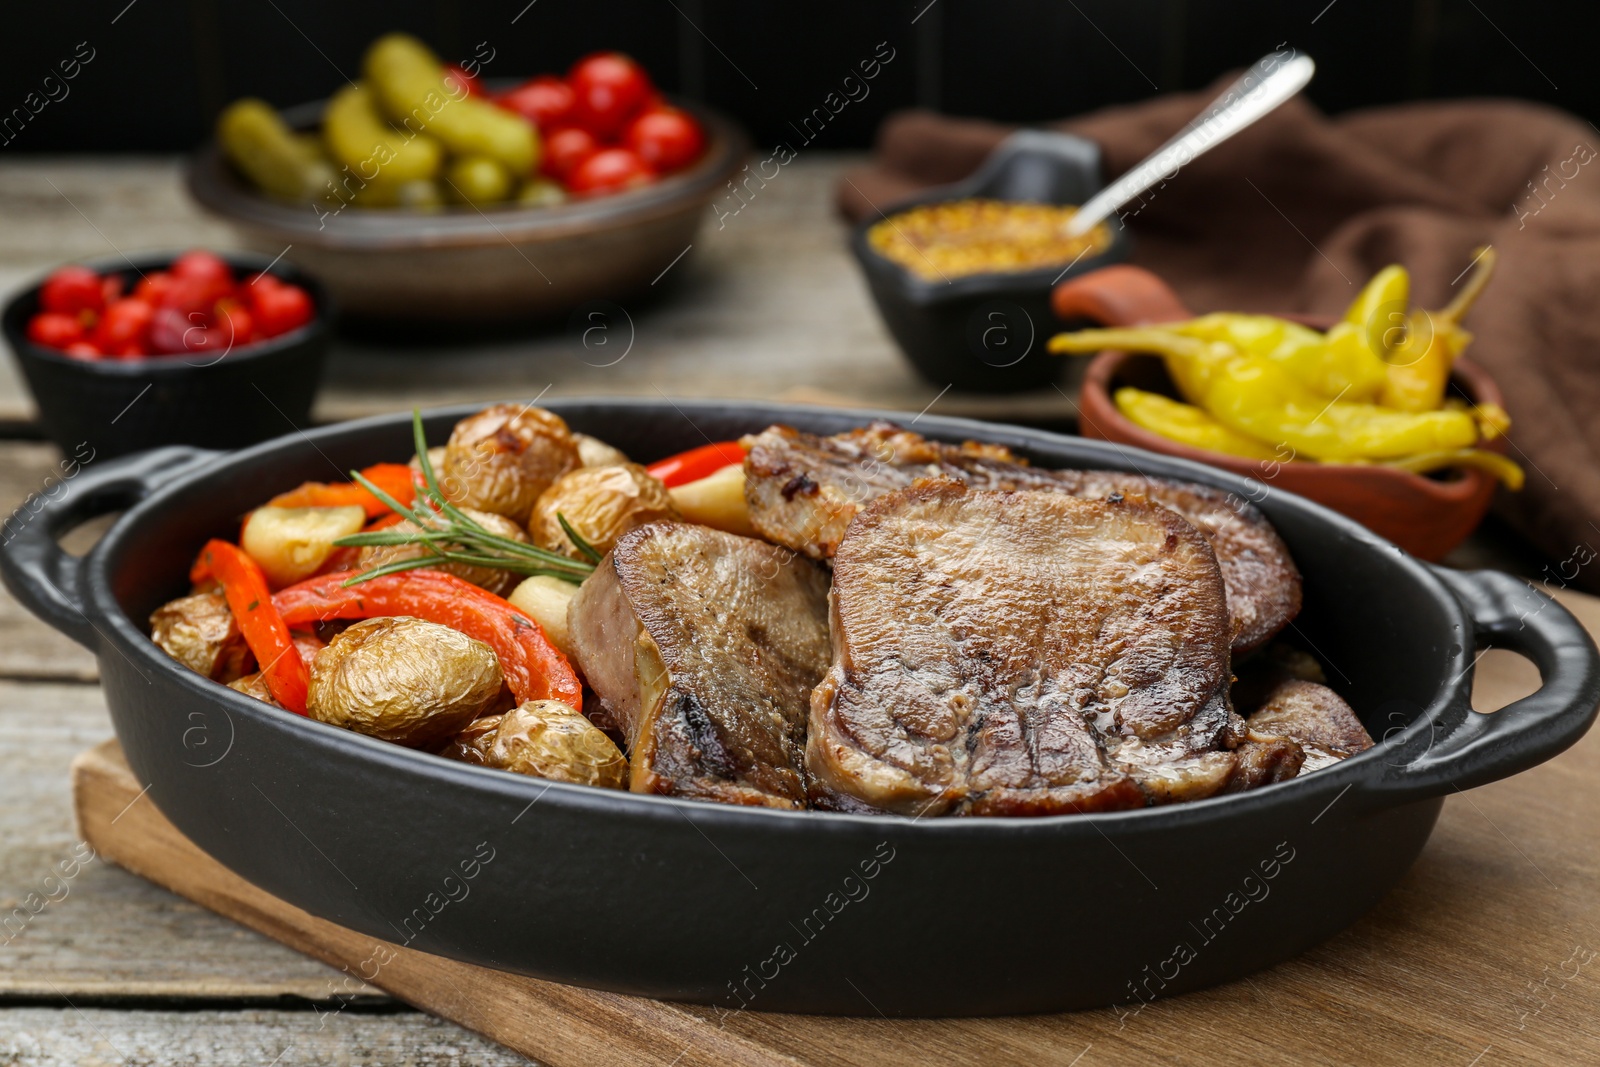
{"x":602,"y":504}
{"x":545,"y":601}
{"x":408,"y":681}
{"x":547,"y":739}
{"x":471,"y":745}
{"x":717,"y":500}
{"x":291,"y":543}
{"x":200,"y":632}
{"x":503,"y":457}
{"x":593,"y":452}
{"x":254,"y":685}
{"x":496,"y":581}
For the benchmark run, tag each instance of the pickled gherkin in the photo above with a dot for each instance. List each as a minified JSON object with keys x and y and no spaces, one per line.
{"x":478,"y":180}
{"x":408,"y":83}
{"x":359,"y":138}
{"x":420,"y":195}
{"x":271,"y":155}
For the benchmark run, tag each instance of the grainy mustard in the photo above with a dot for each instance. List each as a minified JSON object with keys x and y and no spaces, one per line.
{"x":959,"y":237}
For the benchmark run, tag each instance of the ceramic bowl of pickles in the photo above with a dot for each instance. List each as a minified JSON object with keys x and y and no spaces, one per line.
{"x":448,"y":217}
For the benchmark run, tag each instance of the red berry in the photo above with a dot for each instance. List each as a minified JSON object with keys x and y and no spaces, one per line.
{"x":71,"y":290}
{"x":83,"y":350}
{"x":52,"y":329}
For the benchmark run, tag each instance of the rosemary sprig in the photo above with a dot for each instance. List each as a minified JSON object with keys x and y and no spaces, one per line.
{"x":450,"y":535}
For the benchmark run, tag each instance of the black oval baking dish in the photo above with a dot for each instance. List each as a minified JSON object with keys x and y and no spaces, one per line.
{"x":986,"y":333}
{"x":802,"y":911}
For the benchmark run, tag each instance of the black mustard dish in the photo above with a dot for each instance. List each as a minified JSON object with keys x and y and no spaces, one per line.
{"x":986,"y":333}
{"x":110,"y":407}
{"x":802,"y":911}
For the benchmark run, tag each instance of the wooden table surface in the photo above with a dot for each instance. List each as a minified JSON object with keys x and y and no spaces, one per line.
{"x":115,"y":970}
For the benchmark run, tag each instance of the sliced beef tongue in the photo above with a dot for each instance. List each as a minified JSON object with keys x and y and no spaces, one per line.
{"x":1315,"y":717}
{"x":1018,"y":653}
{"x":704,"y":648}
{"x":804,"y":489}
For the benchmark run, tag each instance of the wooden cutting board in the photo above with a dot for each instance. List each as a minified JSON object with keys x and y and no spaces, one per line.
{"x":1488,"y":953}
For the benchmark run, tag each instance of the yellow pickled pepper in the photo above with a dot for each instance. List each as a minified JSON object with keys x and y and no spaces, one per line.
{"x":1186,"y":424}
{"x":1419,"y":368}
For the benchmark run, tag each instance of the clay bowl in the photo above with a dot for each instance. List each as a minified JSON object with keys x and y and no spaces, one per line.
{"x":461,"y":264}
{"x":1426,"y":516}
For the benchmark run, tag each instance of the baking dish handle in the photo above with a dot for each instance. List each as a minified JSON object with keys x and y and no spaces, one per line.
{"x":44,"y":577}
{"x":1507,"y":612}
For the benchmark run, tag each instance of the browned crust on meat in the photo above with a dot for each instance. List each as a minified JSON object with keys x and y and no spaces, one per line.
{"x":990,"y":647}
{"x":703,"y":647}
{"x":803,"y":490}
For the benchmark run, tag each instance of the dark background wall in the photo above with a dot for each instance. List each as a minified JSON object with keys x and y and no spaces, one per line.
{"x":163,"y":68}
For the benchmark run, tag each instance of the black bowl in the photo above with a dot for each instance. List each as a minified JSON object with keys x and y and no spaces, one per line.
{"x":986,"y":333}
{"x":802,"y":911}
{"x":112,"y":407}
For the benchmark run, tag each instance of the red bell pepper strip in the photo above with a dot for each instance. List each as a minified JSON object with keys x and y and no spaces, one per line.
{"x":264,"y":629}
{"x":533,"y":667}
{"x":392,"y":478}
{"x":696,"y":463}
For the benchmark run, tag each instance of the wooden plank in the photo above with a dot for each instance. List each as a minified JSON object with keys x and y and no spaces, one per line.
{"x":1486,"y":950}
{"x":105,"y":932}
{"x":30,"y":473}
{"x":70,"y":1037}
{"x":768,"y":304}
{"x":559,"y":1024}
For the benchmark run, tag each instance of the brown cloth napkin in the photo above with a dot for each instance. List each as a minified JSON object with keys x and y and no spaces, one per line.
{"x":1295,"y":213}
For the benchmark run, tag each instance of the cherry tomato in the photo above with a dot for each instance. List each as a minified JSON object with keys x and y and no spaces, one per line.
{"x":610,"y":170}
{"x":607,"y":88}
{"x":565,"y":150}
{"x":124,"y":323}
{"x":235,"y":320}
{"x":168,"y":327}
{"x":110,"y":288}
{"x":279,"y":309}
{"x":200,"y":264}
{"x":134,"y":351}
{"x":153,"y":287}
{"x":83,"y":350}
{"x":545,"y":101}
{"x":666,"y":138}
{"x":53,"y":329}
{"x":264,"y":280}
{"x":453,"y":73}
{"x":71,"y":290}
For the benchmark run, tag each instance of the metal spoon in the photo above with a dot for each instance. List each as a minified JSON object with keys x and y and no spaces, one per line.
{"x":1274,"y":78}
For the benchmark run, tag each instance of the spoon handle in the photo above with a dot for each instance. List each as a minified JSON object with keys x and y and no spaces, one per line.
{"x":1272,"y":80}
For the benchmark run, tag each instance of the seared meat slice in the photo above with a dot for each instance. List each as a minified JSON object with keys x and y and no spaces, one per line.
{"x":703,"y":647}
{"x":804,"y":489}
{"x":1313,"y":716}
{"x":991,"y":647}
